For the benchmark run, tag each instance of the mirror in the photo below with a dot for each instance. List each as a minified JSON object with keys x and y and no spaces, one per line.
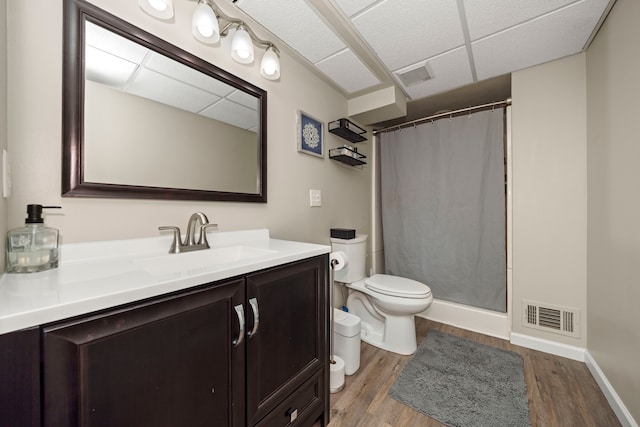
{"x":145,"y":119}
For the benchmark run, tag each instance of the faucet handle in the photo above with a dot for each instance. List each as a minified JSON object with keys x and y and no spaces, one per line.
{"x":176,"y":246}
{"x":202,"y":240}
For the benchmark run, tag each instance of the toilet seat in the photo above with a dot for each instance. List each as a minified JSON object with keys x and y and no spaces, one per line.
{"x":397,"y":286}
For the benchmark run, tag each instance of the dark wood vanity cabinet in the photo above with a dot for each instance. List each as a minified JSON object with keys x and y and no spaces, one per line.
{"x":169,"y":362}
{"x":250,"y":351}
{"x":20,"y":378}
{"x":288,"y":351}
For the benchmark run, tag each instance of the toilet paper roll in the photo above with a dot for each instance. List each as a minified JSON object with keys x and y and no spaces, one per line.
{"x":336,"y":376}
{"x":338,"y":260}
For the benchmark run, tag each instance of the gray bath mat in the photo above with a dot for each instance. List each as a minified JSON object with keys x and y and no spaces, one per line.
{"x":464,"y":384}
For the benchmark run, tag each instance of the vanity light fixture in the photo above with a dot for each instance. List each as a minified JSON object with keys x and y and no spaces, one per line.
{"x":209,"y":24}
{"x":161,"y":9}
{"x":242,"y":40}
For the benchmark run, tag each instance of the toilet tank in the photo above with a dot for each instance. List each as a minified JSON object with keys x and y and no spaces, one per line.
{"x":355,"y":251}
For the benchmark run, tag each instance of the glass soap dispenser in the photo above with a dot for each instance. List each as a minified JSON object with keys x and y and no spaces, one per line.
{"x":34,"y":247}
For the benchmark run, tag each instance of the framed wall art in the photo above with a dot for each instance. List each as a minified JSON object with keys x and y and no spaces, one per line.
{"x":310,"y":135}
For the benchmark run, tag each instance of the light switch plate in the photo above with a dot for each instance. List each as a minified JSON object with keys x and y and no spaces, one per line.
{"x":6,"y":175}
{"x":315,"y":198}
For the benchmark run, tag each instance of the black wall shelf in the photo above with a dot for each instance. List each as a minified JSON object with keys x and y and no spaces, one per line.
{"x":347,"y":156}
{"x":348,"y":130}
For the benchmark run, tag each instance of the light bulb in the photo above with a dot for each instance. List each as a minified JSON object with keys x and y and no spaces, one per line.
{"x":158,"y":5}
{"x":269,"y":68}
{"x":242,"y":46}
{"x":204,"y":24}
{"x":270,"y":65}
{"x":205,"y":31}
{"x":161,"y":9}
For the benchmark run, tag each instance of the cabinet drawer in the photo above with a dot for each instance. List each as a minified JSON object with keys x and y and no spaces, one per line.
{"x":301,"y":408}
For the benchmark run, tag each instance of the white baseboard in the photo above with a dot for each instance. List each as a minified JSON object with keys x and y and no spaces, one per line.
{"x":623,"y":414}
{"x":470,"y":318}
{"x":551,"y":347}
{"x":497,"y":325}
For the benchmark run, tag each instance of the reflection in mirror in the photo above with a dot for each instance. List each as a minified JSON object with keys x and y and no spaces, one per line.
{"x":157,"y":122}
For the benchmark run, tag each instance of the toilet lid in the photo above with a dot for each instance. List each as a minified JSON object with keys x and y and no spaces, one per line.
{"x":397,"y":286}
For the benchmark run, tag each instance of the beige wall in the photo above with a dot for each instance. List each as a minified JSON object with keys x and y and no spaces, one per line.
{"x":3,"y":122}
{"x":35,"y":75}
{"x":550,"y":190}
{"x":613,"y":290}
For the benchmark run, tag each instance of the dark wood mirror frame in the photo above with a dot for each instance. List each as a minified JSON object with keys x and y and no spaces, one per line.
{"x":76,"y":13}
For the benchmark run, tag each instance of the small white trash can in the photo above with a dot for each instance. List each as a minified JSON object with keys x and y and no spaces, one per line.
{"x":346,"y":339}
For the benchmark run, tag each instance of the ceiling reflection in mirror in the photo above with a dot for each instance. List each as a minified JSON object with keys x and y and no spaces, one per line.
{"x":157,"y":126}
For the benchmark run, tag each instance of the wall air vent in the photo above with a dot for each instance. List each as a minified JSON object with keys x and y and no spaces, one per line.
{"x":550,"y":318}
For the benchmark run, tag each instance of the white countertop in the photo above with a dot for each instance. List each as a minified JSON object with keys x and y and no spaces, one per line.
{"x":98,"y":275}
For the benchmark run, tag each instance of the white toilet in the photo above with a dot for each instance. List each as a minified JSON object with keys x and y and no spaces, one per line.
{"x":385,"y":304}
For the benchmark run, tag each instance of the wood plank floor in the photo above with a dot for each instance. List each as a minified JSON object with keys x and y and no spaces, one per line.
{"x":561,"y":392}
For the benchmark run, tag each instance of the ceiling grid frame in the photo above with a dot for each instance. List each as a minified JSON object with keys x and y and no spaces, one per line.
{"x":486,"y":32}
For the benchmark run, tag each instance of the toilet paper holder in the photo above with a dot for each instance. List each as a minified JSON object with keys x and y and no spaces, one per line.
{"x":337,"y":261}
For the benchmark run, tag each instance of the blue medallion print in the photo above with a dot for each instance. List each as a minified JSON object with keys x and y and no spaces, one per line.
{"x":311,"y":135}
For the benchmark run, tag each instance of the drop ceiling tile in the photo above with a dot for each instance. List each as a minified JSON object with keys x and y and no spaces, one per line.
{"x":232,"y":113}
{"x":177,"y":71}
{"x":348,"y":71}
{"x":448,"y":71}
{"x":103,"y":67}
{"x":245,"y":99}
{"x":297,"y":24}
{"x":119,"y":46}
{"x":404,"y":32}
{"x":172,"y":92}
{"x":487,"y":17}
{"x":541,"y":40}
{"x":351,"y":7}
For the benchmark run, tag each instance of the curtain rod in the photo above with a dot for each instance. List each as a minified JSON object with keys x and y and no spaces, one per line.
{"x":491,"y":105}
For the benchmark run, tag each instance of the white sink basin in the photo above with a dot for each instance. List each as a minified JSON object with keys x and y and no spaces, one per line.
{"x":201,"y":261}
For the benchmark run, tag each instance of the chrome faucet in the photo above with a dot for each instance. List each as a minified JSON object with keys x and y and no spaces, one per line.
{"x":190,"y":243}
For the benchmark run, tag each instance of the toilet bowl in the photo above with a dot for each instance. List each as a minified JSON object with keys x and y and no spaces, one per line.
{"x":385,"y":304}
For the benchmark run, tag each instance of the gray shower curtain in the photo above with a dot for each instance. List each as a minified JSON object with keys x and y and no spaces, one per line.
{"x":443,"y":207}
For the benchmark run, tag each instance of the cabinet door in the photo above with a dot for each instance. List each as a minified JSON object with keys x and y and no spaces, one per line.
{"x":289,"y":345}
{"x":166,"y":363}
{"x":20,"y":378}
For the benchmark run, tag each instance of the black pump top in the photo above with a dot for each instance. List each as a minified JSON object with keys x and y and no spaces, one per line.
{"x":34,"y":213}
